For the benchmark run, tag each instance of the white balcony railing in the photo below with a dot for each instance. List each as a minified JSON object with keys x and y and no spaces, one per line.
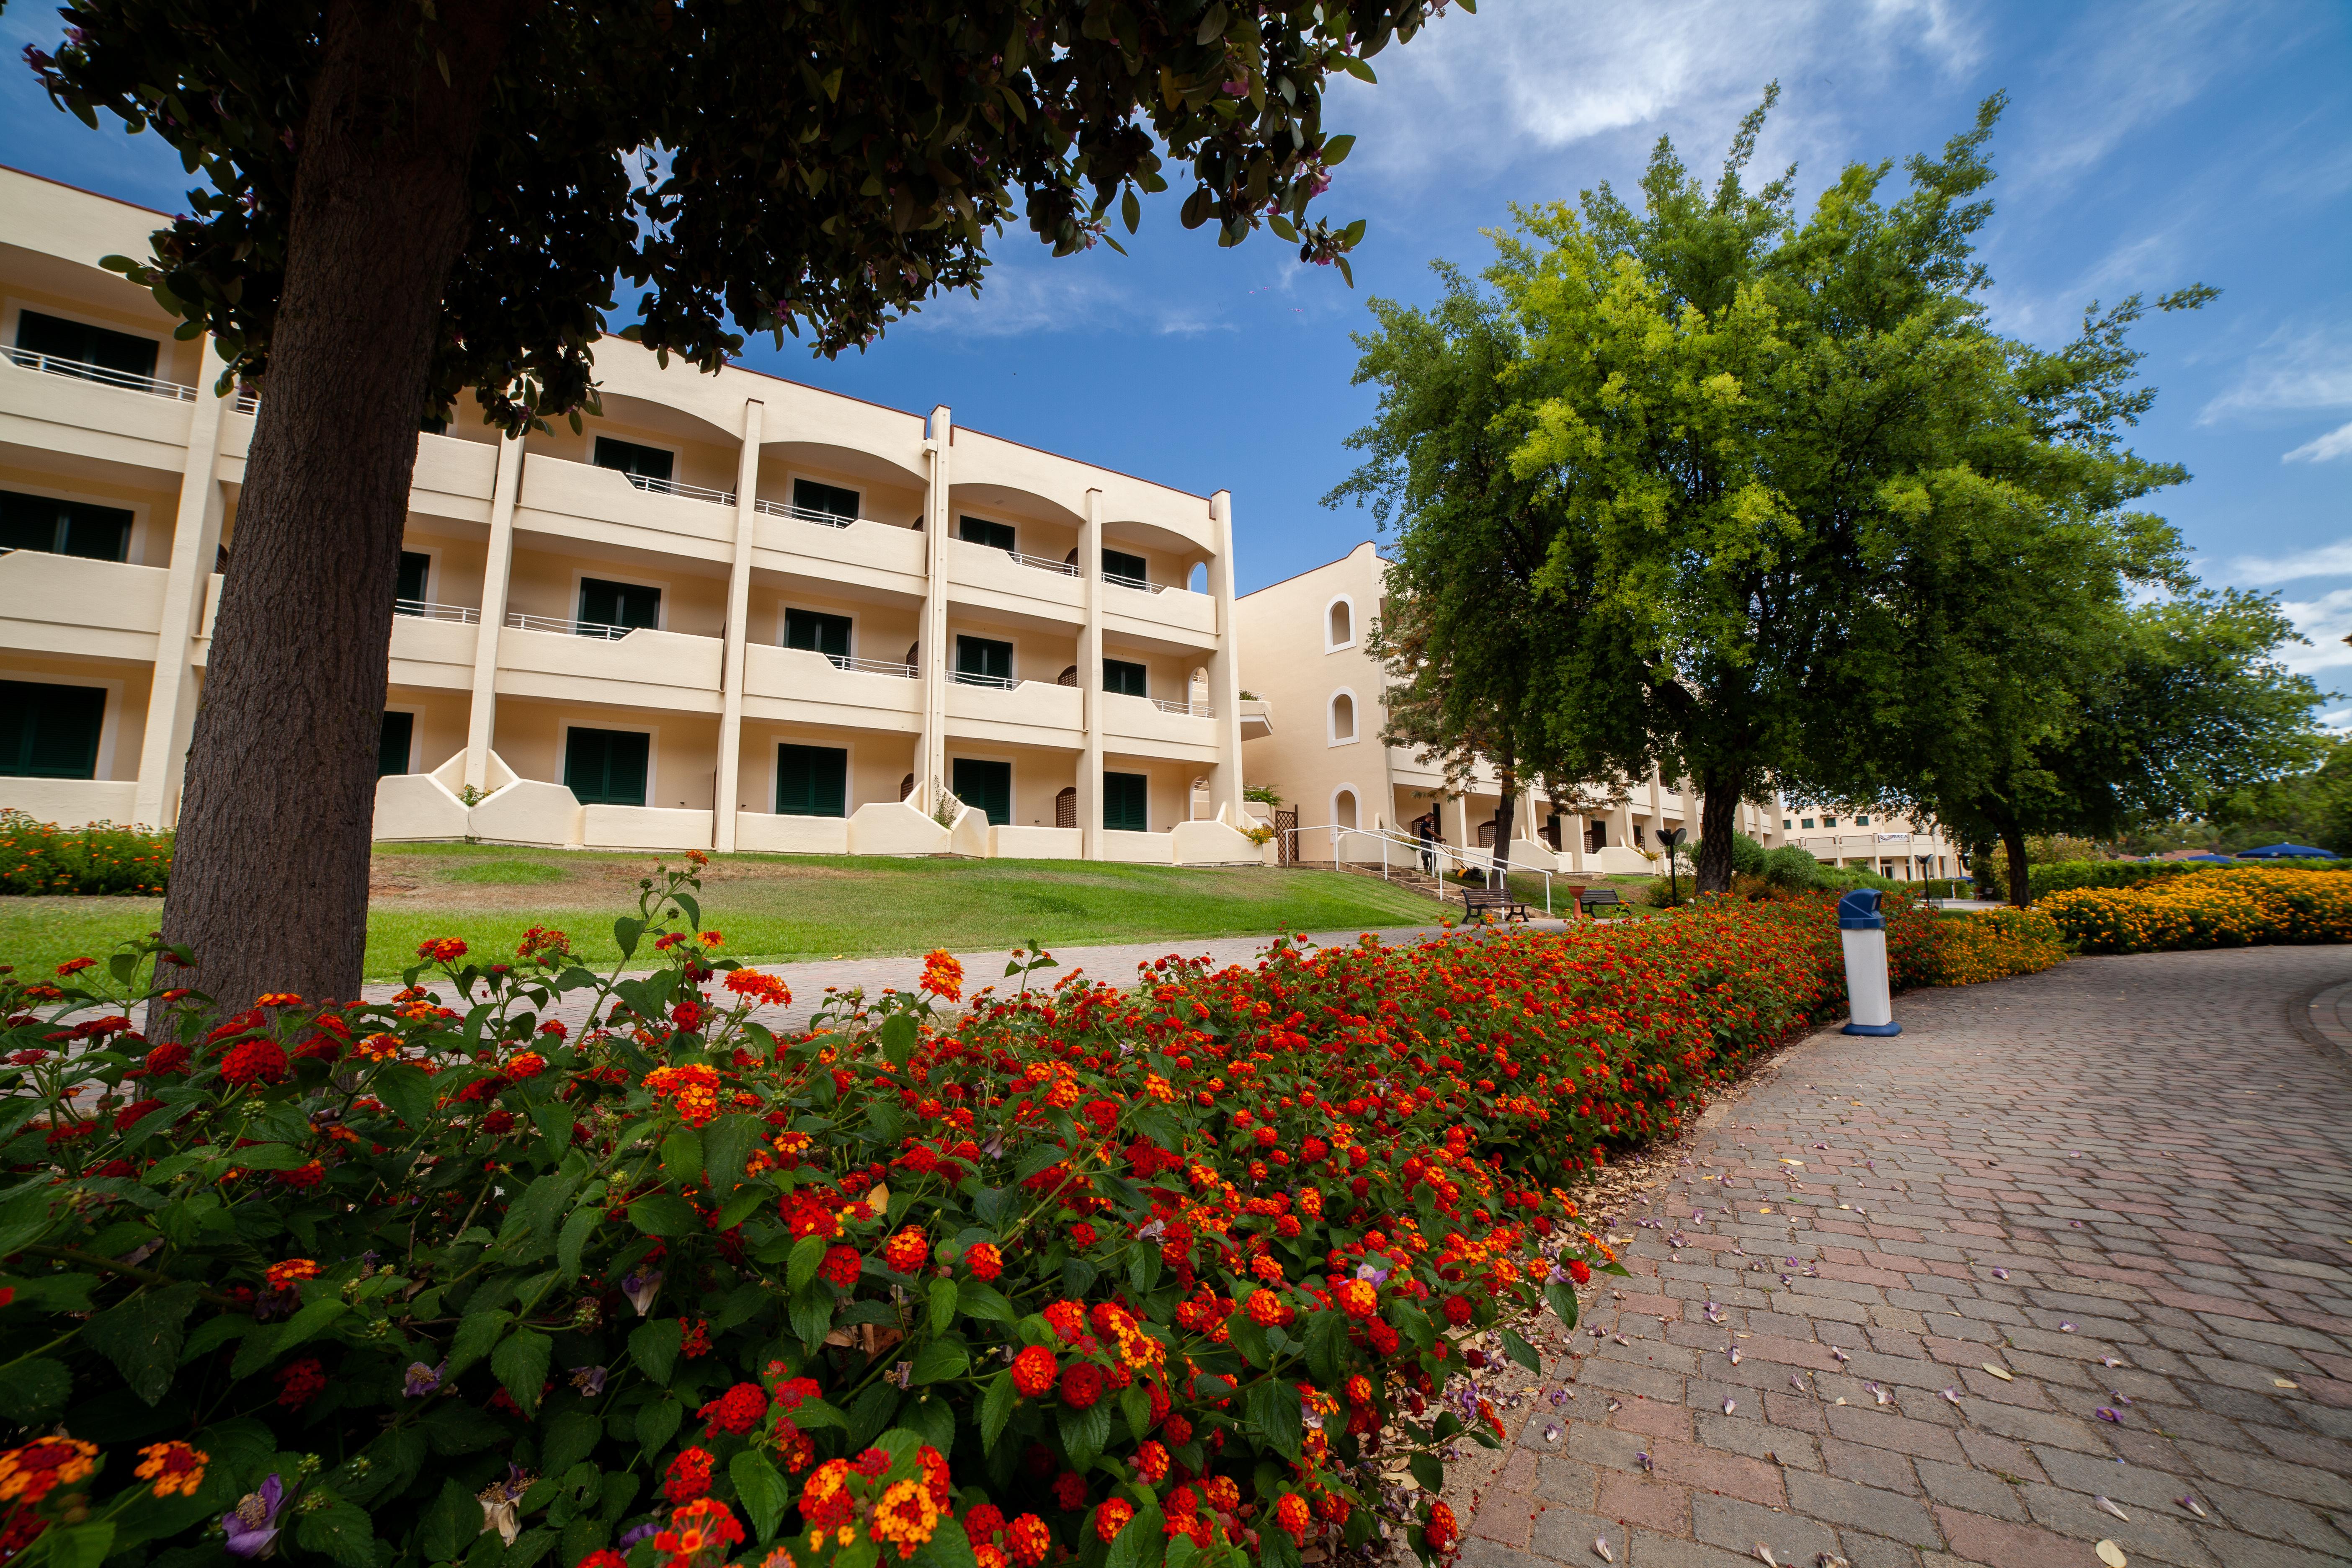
{"x":1197,"y":710}
{"x":972,"y":677}
{"x":518,"y":621}
{"x":83,"y":370}
{"x":1045,"y":563}
{"x":684,"y":492}
{"x":872,"y":666}
{"x":248,"y":400}
{"x":425,"y":609}
{"x":1118,"y":581}
{"x":804,"y":514}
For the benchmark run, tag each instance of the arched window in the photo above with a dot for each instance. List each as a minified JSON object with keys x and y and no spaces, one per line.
{"x":1343,"y":807}
{"x":1343,"y":719}
{"x":1338,"y":624}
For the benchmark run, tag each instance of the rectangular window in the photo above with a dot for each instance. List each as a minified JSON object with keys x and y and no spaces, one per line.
{"x":1127,"y":803}
{"x":980,"y":531}
{"x":984,"y":661}
{"x":416,"y":577}
{"x":434,"y":424}
{"x":828,"y":635}
{"x":102,"y":348}
{"x":1637,"y":835}
{"x":634,"y":459}
{"x":1131,"y":570}
{"x":606,"y":767}
{"x":604,"y":603}
{"x":1862,"y":822}
{"x":811,"y":781}
{"x":1808,"y":822}
{"x":1120,"y":676}
{"x":49,"y":731}
{"x":64,"y":527}
{"x":833,"y":501}
{"x":986,"y":787}
{"x":1829,"y":822}
{"x":392,"y":744}
{"x":1785,"y":825}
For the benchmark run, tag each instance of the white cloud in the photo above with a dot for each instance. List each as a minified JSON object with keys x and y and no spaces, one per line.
{"x":2337,"y":443}
{"x":1478,"y":92}
{"x":1069,"y":294}
{"x":2302,"y":365}
{"x":2326,"y":621}
{"x":2127,"y":70}
{"x":2327,"y":561}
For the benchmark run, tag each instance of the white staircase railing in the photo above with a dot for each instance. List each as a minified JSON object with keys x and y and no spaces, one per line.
{"x":1432,"y":856}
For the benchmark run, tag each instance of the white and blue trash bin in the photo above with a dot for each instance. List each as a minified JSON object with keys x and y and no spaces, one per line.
{"x":1862,"y":931}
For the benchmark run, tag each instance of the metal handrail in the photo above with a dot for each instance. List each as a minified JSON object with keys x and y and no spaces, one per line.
{"x":518,"y":621}
{"x":1463,"y":860}
{"x":82,"y":370}
{"x":1197,"y":710}
{"x":248,"y":400}
{"x":1045,"y":563}
{"x":684,"y":492}
{"x":972,"y":677}
{"x":1140,"y":584}
{"x":806,"y":514}
{"x":871,"y":666}
{"x":425,"y":609}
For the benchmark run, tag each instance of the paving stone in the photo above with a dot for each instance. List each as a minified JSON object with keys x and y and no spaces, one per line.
{"x":2158,"y":1163}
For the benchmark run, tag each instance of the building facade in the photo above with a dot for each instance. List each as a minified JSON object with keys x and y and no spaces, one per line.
{"x":1307,"y":656}
{"x":732,"y":613}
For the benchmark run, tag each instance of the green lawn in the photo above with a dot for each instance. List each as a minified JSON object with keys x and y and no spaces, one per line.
{"x":776,"y":907}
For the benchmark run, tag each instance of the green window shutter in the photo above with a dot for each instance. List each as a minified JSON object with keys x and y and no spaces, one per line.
{"x":392,"y":745}
{"x":50,"y":732}
{"x":1127,"y":803}
{"x":986,"y":786}
{"x":72,"y":341}
{"x":811,"y":781}
{"x":1120,"y":676}
{"x":980,"y":531}
{"x":634,"y":458}
{"x":416,"y":574}
{"x":833,"y":501}
{"x":606,"y":767}
{"x":820,"y":632}
{"x":1128,"y":568}
{"x":985,"y":657}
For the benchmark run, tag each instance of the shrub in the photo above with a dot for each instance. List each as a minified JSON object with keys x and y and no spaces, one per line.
{"x":1746,"y":855}
{"x":390,"y":1277}
{"x":42,"y":858}
{"x":1792,"y":866}
{"x":1993,"y":945}
{"x":2221,"y":907}
{"x":2058,"y":875}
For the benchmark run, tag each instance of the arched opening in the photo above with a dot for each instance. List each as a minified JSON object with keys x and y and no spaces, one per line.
{"x":1343,"y":717}
{"x":1066,"y":807}
{"x":1340,"y":624}
{"x":1068,"y":677}
{"x":1343,"y":808}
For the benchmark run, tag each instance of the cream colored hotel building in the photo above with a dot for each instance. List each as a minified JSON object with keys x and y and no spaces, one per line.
{"x":736,"y":613}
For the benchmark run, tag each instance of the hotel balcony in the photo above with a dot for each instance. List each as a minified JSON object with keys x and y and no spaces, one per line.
{"x":1024,"y":712}
{"x":68,"y":408}
{"x":1161,"y":727}
{"x":1037,"y":587}
{"x":69,"y":604}
{"x":580,"y":501}
{"x":818,"y":545}
{"x":805,"y":687}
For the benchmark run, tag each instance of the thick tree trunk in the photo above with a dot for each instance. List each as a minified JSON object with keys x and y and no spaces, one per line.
{"x":270,"y":877}
{"x":1719,"y":819}
{"x":2013,"y":838}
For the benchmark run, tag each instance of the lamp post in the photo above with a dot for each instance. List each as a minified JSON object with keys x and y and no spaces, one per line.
{"x":1672,"y":838}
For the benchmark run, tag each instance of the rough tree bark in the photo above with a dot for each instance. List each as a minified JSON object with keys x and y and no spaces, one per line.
{"x":2012,"y":840}
{"x":269,"y":874}
{"x":1719,"y":819}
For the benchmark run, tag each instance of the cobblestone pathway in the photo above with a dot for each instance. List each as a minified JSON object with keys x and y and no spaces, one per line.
{"x":2126,"y":1184}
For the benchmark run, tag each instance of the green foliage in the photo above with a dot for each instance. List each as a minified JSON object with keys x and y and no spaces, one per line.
{"x":1792,"y":867}
{"x":42,"y":858}
{"x":2042,"y":879}
{"x":1747,"y":854}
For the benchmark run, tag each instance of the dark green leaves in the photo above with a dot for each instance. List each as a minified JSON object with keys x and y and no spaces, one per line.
{"x":1428,"y":1472}
{"x":665,"y":1214}
{"x":1562,"y":1298}
{"x":407,"y":1093}
{"x":141,"y":1336}
{"x":655,"y":1347}
{"x":33,"y":1391}
{"x":995,"y":1410}
{"x":1518,"y":1349}
{"x":899,"y":1038}
{"x":1274,"y":1410}
{"x":520,"y":1362}
{"x":764,"y":1490}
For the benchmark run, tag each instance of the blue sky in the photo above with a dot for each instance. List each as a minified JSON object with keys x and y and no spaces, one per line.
{"x":2149,"y":144}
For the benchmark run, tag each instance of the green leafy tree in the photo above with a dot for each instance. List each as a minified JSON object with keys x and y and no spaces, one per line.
{"x":400,"y":204}
{"x":1464,"y":634}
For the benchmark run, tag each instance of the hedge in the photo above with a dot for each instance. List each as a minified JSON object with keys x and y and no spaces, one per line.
{"x":2218,"y":907}
{"x":2054,"y":876}
{"x":38,"y":856}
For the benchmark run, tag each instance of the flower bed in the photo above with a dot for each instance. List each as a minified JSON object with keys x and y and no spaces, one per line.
{"x":38,"y":856}
{"x":1994,"y":944}
{"x":2220,"y":908}
{"x":1135,"y":1277}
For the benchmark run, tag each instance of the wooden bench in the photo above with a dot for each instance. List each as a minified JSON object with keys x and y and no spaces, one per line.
{"x":1486,"y":901}
{"x":1591,"y":898}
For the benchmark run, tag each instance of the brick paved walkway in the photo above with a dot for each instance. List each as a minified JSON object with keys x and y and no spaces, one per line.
{"x":2127,"y":1183}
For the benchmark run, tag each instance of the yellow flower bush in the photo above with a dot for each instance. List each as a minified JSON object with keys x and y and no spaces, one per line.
{"x":1993,"y":945}
{"x":2229,"y":908}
